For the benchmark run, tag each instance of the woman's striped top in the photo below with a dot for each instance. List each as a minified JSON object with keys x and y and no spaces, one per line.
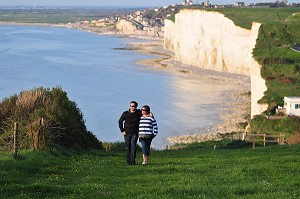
{"x":148,"y":126}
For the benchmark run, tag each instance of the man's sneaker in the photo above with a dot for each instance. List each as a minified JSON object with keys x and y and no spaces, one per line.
{"x":144,"y":163}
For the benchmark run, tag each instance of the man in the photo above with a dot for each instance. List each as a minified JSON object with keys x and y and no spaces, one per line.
{"x":129,"y":126}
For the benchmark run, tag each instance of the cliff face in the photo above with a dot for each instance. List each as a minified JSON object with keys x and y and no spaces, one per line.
{"x":212,"y":41}
{"x":127,"y":28}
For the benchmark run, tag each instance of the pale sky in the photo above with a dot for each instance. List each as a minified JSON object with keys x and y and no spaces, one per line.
{"x":147,"y":3}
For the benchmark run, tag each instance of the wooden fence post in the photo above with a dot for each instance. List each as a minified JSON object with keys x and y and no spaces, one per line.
{"x":281,"y":139}
{"x":16,"y":139}
{"x":244,"y":136}
{"x":39,"y":132}
{"x":253,"y":147}
{"x":108,"y":147}
{"x":264,"y":139}
{"x":31,"y":136}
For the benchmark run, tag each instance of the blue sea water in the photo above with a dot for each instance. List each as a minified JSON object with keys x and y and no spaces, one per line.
{"x":102,"y":81}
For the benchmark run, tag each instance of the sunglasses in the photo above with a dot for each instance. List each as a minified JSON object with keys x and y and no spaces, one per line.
{"x":133,"y":106}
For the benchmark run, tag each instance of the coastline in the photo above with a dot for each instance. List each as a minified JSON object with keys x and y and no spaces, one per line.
{"x":230,"y":118}
{"x":234,"y":114}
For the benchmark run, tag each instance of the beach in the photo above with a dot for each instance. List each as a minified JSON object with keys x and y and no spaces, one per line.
{"x":234,"y":115}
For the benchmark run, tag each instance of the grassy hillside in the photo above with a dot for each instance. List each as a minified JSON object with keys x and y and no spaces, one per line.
{"x":244,"y":17}
{"x":194,"y":172}
{"x":56,"y":15}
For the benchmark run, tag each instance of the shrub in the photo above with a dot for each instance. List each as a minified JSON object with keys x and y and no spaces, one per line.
{"x":46,"y":118}
{"x":261,"y":125}
{"x":294,"y":138}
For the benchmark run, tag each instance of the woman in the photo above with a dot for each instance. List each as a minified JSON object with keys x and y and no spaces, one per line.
{"x":147,"y":131}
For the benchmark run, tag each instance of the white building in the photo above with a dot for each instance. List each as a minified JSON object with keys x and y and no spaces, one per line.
{"x":187,"y":2}
{"x":239,"y":4}
{"x":292,"y":105}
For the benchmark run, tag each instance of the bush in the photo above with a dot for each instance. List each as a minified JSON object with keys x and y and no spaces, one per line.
{"x":46,"y":118}
{"x":294,"y":138}
{"x":261,"y":125}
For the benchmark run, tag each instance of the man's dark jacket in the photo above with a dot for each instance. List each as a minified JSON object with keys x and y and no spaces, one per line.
{"x":129,"y":122}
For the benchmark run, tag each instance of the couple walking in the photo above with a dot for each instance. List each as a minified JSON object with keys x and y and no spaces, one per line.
{"x":138,"y":124}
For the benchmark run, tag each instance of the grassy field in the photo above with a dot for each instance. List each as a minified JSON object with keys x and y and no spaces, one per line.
{"x":193,"y":172}
{"x":58,"y":15}
{"x":244,"y":17}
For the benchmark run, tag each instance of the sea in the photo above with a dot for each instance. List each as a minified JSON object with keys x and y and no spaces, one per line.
{"x":102,"y":81}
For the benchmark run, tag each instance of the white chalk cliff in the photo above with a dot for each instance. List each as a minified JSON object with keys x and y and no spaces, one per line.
{"x":126,"y":27}
{"x":212,"y":41}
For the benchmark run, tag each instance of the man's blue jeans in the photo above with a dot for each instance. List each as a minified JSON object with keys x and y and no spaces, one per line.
{"x":130,"y":141}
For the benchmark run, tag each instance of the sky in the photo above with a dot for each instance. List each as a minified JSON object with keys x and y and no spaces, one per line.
{"x":146,"y":3}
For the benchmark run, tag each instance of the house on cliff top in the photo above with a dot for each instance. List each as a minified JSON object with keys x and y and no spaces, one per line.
{"x":291,"y":106}
{"x":187,"y":2}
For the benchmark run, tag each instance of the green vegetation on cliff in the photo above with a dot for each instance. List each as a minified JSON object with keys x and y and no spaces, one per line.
{"x":280,"y":30}
{"x":46,"y":118}
{"x":197,"y":172}
{"x":281,"y":65}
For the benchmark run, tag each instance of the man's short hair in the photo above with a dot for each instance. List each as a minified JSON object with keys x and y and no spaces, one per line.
{"x":134,"y":102}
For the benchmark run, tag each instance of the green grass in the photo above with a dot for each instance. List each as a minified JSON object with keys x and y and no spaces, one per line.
{"x":171,"y":17}
{"x":54,"y":15}
{"x":244,"y":17}
{"x":196,"y":172}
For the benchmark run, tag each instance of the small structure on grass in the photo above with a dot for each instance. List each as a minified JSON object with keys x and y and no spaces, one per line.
{"x":292,"y":106}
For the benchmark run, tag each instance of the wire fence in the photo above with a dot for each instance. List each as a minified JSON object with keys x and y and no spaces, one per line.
{"x":38,"y":134}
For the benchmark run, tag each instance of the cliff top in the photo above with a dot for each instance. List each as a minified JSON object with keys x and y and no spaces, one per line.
{"x":244,"y":17}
